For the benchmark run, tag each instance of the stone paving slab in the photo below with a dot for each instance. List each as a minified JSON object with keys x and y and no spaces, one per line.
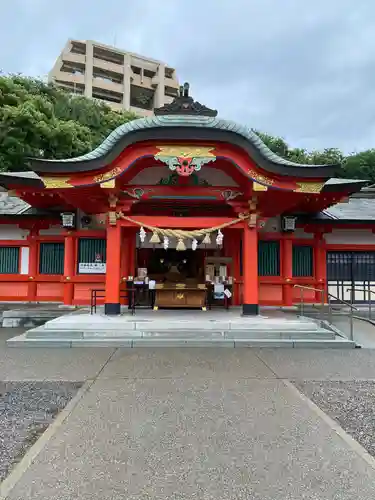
{"x":320,"y":364}
{"x":184,"y":439}
{"x":189,"y":363}
{"x":50,"y":364}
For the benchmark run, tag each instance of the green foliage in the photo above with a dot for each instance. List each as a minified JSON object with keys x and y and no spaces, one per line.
{"x":354,"y":166}
{"x":39,"y":119}
{"x":361,"y":165}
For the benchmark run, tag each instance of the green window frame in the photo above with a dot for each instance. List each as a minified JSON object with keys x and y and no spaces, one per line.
{"x":9,"y":260}
{"x":51,"y":258}
{"x":303,"y":261}
{"x":268,"y":258}
{"x":88,"y":248}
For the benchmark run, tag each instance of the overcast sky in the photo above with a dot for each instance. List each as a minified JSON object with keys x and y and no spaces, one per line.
{"x":298,"y":69}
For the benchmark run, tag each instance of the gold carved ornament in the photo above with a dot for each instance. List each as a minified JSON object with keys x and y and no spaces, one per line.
{"x":262,"y":179}
{"x":106,"y":179}
{"x":259,"y":187}
{"x":309,"y":187}
{"x":184,"y":151}
{"x":108,"y":184}
{"x":56,"y":182}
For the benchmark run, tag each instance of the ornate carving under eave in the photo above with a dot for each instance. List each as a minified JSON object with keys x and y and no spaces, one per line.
{"x":183,"y":104}
{"x":56,"y":182}
{"x":229,"y":195}
{"x":112,"y":200}
{"x":108,"y":184}
{"x":136,"y":193}
{"x":309,"y":187}
{"x":259,"y":187}
{"x":184,"y":160}
{"x":262,"y":179}
{"x":106,"y":176}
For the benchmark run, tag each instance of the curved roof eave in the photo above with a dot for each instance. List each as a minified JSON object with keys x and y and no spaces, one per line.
{"x":179,"y":127}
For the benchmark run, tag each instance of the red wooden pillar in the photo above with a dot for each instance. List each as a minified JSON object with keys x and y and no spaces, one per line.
{"x":113,"y":271}
{"x":69,"y":268}
{"x":250,"y":304}
{"x":33,"y":266}
{"x":234,"y":243}
{"x":125,"y":255}
{"x":124,"y":260}
{"x":287,"y":270}
{"x":132,"y":249}
{"x":320,"y":266}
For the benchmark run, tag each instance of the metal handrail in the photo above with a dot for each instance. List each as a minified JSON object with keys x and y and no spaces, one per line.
{"x":343,"y":301}
{"x":369,"y":301}
{"x":302,"y":304}
{"x":329,"y":304}
{"x":309,"y":288}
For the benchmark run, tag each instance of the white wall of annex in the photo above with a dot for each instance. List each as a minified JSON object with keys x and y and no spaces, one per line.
{"x":12,"y":232}
{"x":350,"y":237}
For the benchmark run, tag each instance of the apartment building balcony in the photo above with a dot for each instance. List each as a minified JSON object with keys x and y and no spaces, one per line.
{"x":71,"y":57}
{"x":116,"y":106}
{"x":142,"y":81}
{"x":74,"y":78}
{"x":171,"y":82}
{"x":107,"y":85}
{"x":108,"y":66}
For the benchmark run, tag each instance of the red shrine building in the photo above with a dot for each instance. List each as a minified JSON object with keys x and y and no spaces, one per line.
{"x":185,"y":204}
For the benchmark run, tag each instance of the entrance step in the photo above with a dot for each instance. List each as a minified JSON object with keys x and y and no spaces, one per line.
{"x":24,"y":341}
{"x":225,"y":330}
{"x":32,"y":316}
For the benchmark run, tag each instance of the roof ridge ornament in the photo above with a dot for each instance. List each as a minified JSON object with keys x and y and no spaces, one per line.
{"x":184,"y":104}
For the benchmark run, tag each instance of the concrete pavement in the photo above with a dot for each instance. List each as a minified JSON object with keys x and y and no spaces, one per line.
{"x":193,"y":423}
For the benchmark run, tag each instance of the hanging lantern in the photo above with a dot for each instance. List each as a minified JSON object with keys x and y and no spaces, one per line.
{"x":142,"y":235}
{"x":166,"y":242}
{"x":194,"y":244}
{"x":155,"y":238}
{"x":219,"y":238}
{"x":207,"y":239}
{"x":180,"y":245}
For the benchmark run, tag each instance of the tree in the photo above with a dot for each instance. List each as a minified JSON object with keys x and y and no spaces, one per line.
{"x":361,"y":165}
{"x":40,"y":119}
{"x":356,"y":165}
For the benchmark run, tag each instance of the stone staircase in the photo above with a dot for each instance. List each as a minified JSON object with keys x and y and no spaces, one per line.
{"x":181,"y":328}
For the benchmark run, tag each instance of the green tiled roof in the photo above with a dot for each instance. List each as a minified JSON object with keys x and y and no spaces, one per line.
{"x":182,"y":121}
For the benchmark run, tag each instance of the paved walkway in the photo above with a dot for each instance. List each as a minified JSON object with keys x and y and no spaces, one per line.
{"x":193,"y":424}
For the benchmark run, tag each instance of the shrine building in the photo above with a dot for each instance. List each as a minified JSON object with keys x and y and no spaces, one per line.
{"x":185,"y":204}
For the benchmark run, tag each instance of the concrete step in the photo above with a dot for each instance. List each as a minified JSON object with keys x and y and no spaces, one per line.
{"x":150,"y":329}
{"x":184,"y":332}
{"x":31,"y":317}
{"x":86,"y":322}
{"x":24,"y":341}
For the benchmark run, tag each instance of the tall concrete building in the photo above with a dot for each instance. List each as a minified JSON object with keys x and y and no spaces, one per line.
{"x":123,"y":80}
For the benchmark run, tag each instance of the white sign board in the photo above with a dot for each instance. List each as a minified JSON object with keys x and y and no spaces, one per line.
{"x":91,"y":268}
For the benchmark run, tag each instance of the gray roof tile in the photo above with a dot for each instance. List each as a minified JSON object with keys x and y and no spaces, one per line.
{"x":11,"y":205}
{"x":354,"y":209}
